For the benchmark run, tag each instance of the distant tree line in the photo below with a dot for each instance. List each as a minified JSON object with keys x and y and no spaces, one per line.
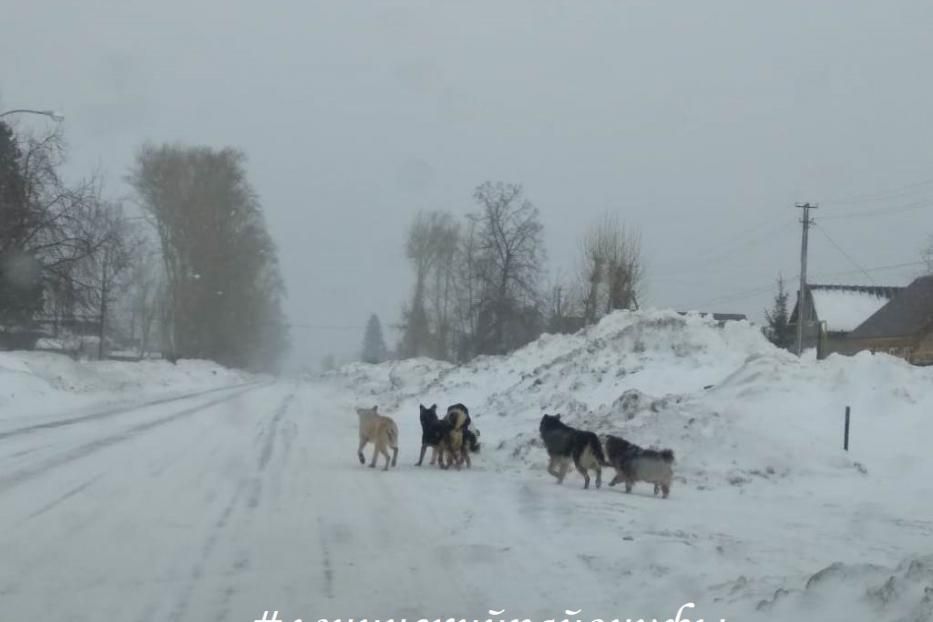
{"x":196,"y":275}
{"x":478,"y":282}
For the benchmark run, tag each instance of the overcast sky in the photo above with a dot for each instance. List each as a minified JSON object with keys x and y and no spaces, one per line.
{"x":700,"y":123}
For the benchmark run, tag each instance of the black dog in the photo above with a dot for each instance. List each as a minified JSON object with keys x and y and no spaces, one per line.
{"x":564,"y":443}
{"x":434,"y":433}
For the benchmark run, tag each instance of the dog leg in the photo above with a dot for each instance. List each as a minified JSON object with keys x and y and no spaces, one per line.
{"x":564,"y":467}
{"x":466,"y":456}
{"x":616,"y":479}
{"x":394,"y":456}
{"x":424,"y":448}
{"x":665,"y":490}
{"x":628,"y":485}
{"x":599,"y":477}
{"x":376,"y":453}
{"x":657,"y":488}
{"x":385,"y":452}
{"x":586,"y":476}
{"x":552,"y":463}
{"x":433,"y":455}
{"x":359,"y":452}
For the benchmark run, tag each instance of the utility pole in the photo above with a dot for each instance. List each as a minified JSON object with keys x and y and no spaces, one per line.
{"x":802,"y":293}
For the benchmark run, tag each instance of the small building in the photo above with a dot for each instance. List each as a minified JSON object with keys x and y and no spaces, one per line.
{"x":834,"y":311}
{"x":902,"y":327}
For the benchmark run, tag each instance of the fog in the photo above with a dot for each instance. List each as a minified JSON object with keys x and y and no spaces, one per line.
{"x":701,"y":124}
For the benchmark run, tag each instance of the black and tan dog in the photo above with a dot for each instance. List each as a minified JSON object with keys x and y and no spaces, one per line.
{"x":635,"y":464}
{"x":434,"y":433}
{"x":565,"y":444}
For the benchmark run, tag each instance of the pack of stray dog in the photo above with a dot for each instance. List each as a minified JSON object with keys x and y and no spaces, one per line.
{"x":586,"y":451}
{"x":453,"y":438}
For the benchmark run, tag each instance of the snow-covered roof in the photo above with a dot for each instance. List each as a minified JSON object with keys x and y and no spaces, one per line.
{"x":844,"y":310}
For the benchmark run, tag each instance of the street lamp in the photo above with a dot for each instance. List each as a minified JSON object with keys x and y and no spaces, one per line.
{"x":55,"y":116}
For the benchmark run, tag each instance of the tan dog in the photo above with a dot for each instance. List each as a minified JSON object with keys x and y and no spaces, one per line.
{"x":379,"y":430}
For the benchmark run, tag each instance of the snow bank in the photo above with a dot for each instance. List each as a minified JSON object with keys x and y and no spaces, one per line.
{"x":735,"y":409}
{"x":856,"y":593}
{"x":41,"y":381}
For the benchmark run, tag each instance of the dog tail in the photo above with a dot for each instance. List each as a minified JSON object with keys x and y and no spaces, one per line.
{"x":473,"y":439}
{"x":667,"y":455}
{"x":392,"y":434}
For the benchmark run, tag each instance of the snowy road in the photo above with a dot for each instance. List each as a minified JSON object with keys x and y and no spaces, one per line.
{"x":220,"y":506}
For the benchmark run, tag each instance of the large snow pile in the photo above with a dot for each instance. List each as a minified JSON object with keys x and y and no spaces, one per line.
{"x":43,"y":382}
{"x":734,"y":408}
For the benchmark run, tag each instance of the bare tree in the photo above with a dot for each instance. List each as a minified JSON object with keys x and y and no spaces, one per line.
{"x":510,"y":254}
{"x":563,"y":307}
{"x":46,"y":223}
{"x":612,"y":271}
{"x":431,"y":247}
{"x":467,"y":292}
{"x":105,"y":270}
{"x":441,"y":298}
{"x":145,"y":297}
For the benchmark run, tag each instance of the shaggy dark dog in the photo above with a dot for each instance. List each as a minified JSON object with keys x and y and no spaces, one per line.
{"x":635,"y":464}
{"x":565,"y":444}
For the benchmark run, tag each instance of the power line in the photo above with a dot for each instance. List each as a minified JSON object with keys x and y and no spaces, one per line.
{"x":883,"y":211}
{"x":704,"y":260}
{"x":878,"y":196}
{"x":845,"y":254}
{"x":896,"y":266}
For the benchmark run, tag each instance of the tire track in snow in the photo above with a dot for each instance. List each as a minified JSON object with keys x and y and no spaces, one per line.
{"x":250,"y":489}
{"x":265,"y":453}
{"x":327,"y":566}
{"x":242,"y":561}
{"x":207,"y":549}
{"x":119,"y":410}
{"x":24,"y":475}
{"x":62,"y":498}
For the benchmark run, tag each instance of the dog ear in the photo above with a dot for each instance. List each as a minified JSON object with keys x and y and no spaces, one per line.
{"x":557,"y":416}
{"x":433,"y":406}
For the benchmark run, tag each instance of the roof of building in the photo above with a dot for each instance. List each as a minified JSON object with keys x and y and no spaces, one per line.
{"x":719,"y":317}
{"x":844,"y":307}
{"x":908,"y":313}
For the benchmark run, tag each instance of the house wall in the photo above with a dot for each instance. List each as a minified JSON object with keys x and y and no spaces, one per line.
{"x":896,"y":346}
{"x":923,"y":350}
{"x":832,"y":343}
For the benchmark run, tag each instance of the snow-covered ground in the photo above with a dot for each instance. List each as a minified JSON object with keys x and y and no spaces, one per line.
{"x":228,"y":503}
{"x":34,"y":384}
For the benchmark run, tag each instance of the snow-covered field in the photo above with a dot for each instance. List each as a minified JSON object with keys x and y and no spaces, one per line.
{"x":764,"y":498}
{"x":144,"y":493}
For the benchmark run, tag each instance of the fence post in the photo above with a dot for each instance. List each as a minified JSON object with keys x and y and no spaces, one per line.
{"x":845,"y":443}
